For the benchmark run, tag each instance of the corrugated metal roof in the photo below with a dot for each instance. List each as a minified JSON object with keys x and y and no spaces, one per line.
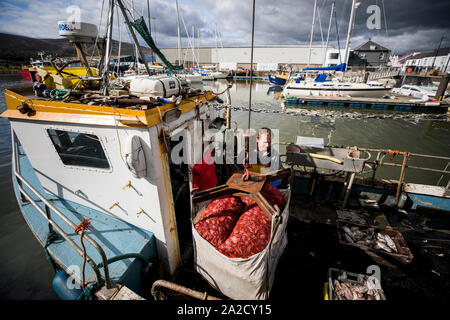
{"x":441,"y":52}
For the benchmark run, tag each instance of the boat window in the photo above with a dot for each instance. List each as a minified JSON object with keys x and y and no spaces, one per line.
{"x":79,"y":149}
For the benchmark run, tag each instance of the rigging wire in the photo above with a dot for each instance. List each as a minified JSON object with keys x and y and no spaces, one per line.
{"x":99,"y":30}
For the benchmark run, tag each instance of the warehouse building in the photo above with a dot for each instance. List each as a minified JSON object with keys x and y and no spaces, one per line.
{"x":265,"y":58}
{"x":271,"y":58}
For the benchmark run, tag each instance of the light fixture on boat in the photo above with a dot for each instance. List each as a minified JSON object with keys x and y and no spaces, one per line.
{"x":171,"y":115}
{"x":135,"y":157}
{"x":24,"y":108}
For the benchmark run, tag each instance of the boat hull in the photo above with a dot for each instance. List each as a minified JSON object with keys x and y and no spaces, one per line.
{"x":276,"y":80}
{"x":366,"y":93}
{"x":25,"y":74}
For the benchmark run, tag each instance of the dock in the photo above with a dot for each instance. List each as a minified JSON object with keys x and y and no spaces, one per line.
{"x":248,"y":78}
{"x":400,"y":103}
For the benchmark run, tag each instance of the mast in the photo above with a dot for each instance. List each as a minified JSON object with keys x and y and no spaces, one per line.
{"x":328,"y":34}
{"x":108,"y":48}
{"x":193,"y":47}
{"x":133,"y":35}
{"x":440,"y":42}
{"x":198,"y":50}
{"x":355,"y":5}
{"x":217,"y":50}
{"x":179,"y":33}
{"x":136,"y":59}
{"x":150,"y":27}
{"x":312,"y":32}
{"x":251,"y":65}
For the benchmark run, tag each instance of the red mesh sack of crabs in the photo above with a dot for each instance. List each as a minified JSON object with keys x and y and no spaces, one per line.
{"x":273,"y":196}
{"x":250,"y":235}
{"x":218,"y":219}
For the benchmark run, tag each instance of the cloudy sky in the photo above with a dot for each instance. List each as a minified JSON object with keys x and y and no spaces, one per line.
{"x":405,"y":25}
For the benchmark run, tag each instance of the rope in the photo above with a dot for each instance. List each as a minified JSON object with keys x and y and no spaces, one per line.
{"x":84,"y":225}
{"x":58,"y":94}
{"x":87,"y":293}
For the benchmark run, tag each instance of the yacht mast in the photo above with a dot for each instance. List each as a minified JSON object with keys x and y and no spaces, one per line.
{"x":133,"y":35}
{"x":355,"y":5}
{"x":312,"y":32}
{"x":328,"y":34}
{"x":179,"y":33}
{"x":150,"y":27}
{"x":108,"y":48}
{"x":216,"y":38}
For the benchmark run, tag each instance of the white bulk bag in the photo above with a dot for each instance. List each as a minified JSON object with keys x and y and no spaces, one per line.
{"x":242,"y":278}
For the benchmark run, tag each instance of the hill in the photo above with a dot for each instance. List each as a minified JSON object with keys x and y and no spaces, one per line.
{"x":19,"y":49}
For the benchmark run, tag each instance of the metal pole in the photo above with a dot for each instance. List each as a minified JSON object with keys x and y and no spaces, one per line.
{"x":178,"y":33}
{"x":150,"y":27}
{"x":328,"y":35}
{"x":402,"y":175}
{"x":136,"y":60}
{"x":312,"y":31}
{"x":251,"y":65}
{"x":349,"y":33}
{"x":108,"y":48}
{"x":133,"y":35}
{"x":434,"y":60}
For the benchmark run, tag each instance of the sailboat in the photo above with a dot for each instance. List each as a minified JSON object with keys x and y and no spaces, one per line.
{"x":321,"y":86}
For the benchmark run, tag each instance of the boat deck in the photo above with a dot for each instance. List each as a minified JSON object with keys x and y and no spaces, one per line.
{"x":313,"y":247}
{"x":115,"y":236}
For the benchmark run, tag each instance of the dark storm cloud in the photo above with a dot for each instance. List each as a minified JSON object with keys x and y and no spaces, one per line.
{"x":411,"y":24}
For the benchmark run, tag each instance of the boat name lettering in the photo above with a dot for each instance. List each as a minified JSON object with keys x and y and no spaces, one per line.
{"x":64,"y":27}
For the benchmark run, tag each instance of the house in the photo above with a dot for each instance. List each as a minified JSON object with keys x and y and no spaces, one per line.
{"x":438,"y":60}
{"x":376,"y":55}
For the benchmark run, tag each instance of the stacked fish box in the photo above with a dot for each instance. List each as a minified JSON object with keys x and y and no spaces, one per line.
{"x":344,"y":285}
{"x":375,"y":240}
{"x":236,"y":246}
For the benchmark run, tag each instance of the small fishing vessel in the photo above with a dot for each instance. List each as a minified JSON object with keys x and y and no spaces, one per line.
{"x":98,"y":181}
{"x":191,"y":77}
{"x":279,"y":78}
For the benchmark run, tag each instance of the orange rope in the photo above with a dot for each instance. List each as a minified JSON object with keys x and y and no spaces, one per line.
{"x":393,"y":153}
{"x":85,"y":224}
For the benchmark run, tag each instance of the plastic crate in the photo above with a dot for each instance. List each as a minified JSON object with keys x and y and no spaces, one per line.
{"x":403,"y":255}
{"x":346,"y":276}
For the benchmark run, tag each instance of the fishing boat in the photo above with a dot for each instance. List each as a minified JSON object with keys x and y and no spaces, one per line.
{"x":191,"y":77}
{"x":83,"y":127}
{"x":279,"y":78}
{"x":96,"y":180}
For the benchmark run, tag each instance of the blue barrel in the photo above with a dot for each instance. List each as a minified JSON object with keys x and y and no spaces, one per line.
{"x":62,"y":289}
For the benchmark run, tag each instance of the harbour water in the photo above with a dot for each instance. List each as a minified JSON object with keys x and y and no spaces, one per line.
{"x":26,"y":274}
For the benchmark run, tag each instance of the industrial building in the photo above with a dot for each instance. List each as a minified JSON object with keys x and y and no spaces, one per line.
{"x":270,"y":58}
{"x":265,"y":58}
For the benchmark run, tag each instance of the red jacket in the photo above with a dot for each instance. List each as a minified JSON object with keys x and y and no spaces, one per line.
{"x":204,"y":174}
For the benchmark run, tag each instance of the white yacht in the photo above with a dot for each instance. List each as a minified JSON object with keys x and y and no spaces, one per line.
{"x":334,"y":88}
{"x":417,"y":91}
